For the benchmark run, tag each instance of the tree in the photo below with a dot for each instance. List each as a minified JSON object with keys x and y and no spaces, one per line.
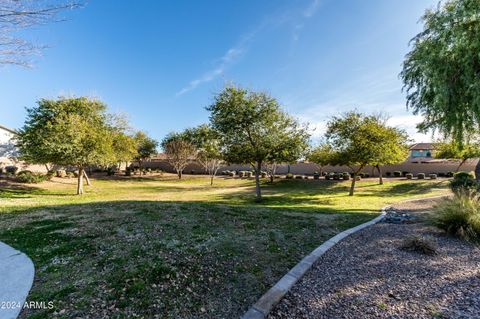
{"x":146,"y":147}
{"x":452,"y":150}
{"x":17,"y":15}
{"x":69,"y":132}
{"x":254,"y":130}
{"x":441,"y":73}
{"x":357,"y":140}
{"x":321,"y":155}
{"x":393,"y":149}
{"x":207,"y":143}
{"x":179,"y":151}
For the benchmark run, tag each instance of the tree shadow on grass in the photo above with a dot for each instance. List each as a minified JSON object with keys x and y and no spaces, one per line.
{"x":166,"y":257}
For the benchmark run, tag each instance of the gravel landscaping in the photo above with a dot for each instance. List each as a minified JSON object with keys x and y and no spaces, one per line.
{"x":369,"y":275}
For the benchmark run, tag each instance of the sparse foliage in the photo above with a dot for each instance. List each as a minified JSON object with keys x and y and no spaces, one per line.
{"x":146,"y":147}
{"x":179,"y":151}
{"x":208,"y":152}
{"x":17,"y":15}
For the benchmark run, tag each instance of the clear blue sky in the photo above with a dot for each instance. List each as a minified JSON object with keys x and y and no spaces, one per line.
{"x":161,"y":61}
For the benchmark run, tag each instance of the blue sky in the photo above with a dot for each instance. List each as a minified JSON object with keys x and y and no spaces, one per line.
{"x":160,"y":62}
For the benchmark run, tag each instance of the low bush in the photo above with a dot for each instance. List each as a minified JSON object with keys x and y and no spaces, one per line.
{"x":346,"y":176}
{"x":432,"y":176}
{"x":397,"y":174}
{"x":361,"y":174}
{"x":29,"y":177}
{"x":409,"y":176}
{"x":421,"y":175}
{"x":298,"y":177}
{"x":441,"y":174}
{"x":420,"y":245}
{"x":388,"y":174}
{"x":337,"y":176}
{"x":249,"y":173}
{"x":460,"y":216}
{"x":450,"y":174}
{"x":241,"y":174}
{"x":464,"y":183}
{"x":263,"y":174}
{"x":289,"y":176}
{"x":316,"y":175}
{"x":231,"y":173}
{"x":11,"y":169}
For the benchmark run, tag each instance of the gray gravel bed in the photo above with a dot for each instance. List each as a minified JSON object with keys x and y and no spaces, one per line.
{"x":367,"y":275}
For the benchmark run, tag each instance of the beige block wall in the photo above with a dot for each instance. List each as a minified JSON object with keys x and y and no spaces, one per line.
{"x":310,"y":168}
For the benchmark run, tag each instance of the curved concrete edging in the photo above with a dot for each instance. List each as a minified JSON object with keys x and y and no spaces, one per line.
{"x":266,"y":302}
{"x":16,"y":279}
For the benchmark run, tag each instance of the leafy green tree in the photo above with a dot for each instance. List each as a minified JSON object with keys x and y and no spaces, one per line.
{"x":321,"y":155}
{"x":357,"y":140}
{"x":69,"y":132}
{"x":179,"y":151}
{"x":453,"y":150}
{"x":207,"y":143}
{"x":254,"y":130}
{"x":146,"y":147}
{"x":441,"y":74}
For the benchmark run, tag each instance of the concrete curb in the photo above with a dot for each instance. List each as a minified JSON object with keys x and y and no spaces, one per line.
{"x":16,"y":279}
{"x":266,"y":302}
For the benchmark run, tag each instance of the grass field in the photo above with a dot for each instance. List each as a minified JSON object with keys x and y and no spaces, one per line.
{"x":160,"y":247}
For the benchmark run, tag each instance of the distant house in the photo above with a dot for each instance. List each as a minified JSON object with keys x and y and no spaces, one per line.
{"x":422,"y":151}
{"x":8,"y":151}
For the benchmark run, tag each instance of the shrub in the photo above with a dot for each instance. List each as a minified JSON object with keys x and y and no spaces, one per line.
{"x":298,"y":177}
{"x":70,"y":174}
{"x":421,"y":175}
{"x":450,"y":174}
{"x":11,"y":169}
{"x":388,"y":174}
{"x":420,"y":245}
{"x":409,"y":176}
{"x":463,"y":183}
{"x":328,"y":177}
{"x":336,"y":176}
{"x":241,"y":174}
{"x":316,"y":175}
{"x":358,"y":178}
{"x":30,"y":178}
{"x":460,"y":216}
{"x":361,"y":174}
{"x":248,"y":173}
{"x":289,"y":176}
{"x":263,"y":174}
{"x":346,"y":176}
{"x":397,"y":174}
{"x":441,"y":174}
{"x":324,"y":173}
{"x":128,"y":171}
{"x":405,"y":173}
{"x":432,"y":176}
{"x":231,"y":173}
{"x":50,"y":174}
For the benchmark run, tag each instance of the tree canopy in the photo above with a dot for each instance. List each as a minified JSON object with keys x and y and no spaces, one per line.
{"x":357,"y":140}
{"x":145,"y":146}
{"x":255,"y":130}
{"x":450,"y":149}
{"x":70,"y":132}
{"x":441,"y":73}
{"x":179,"y":151}
{"x":208,"y":148}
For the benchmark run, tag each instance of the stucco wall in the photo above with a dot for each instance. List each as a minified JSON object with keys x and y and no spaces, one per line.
{"x":310,"y":168}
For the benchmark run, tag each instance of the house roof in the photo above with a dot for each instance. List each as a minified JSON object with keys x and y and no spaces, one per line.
{"x":7,"y":129}
{"x":422,"y":146}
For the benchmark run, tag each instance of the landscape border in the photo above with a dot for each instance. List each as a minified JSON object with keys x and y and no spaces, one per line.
{"x":268,"y":300}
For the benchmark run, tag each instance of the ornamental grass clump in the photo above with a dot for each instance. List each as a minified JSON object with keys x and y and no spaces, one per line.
{"x":419,"y":244}
{"x":460,"y":216}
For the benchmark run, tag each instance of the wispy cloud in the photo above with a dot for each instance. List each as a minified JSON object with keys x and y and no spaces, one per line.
{"x":236,"y":52}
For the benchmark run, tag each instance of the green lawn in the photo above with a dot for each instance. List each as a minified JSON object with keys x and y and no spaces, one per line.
{"x":157,"y":246}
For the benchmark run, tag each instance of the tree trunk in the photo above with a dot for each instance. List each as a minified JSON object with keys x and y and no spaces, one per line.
{"x":179,"y":172}
{"x":86,"y":178}
{"x":80,"y":181}
{"x":380,"y":177}
{"x":352,"y":186}
{"x":463,"y":162}
{"x":477,"y":171}
{"x":271,"y":178}
{"x":257,"y":182}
